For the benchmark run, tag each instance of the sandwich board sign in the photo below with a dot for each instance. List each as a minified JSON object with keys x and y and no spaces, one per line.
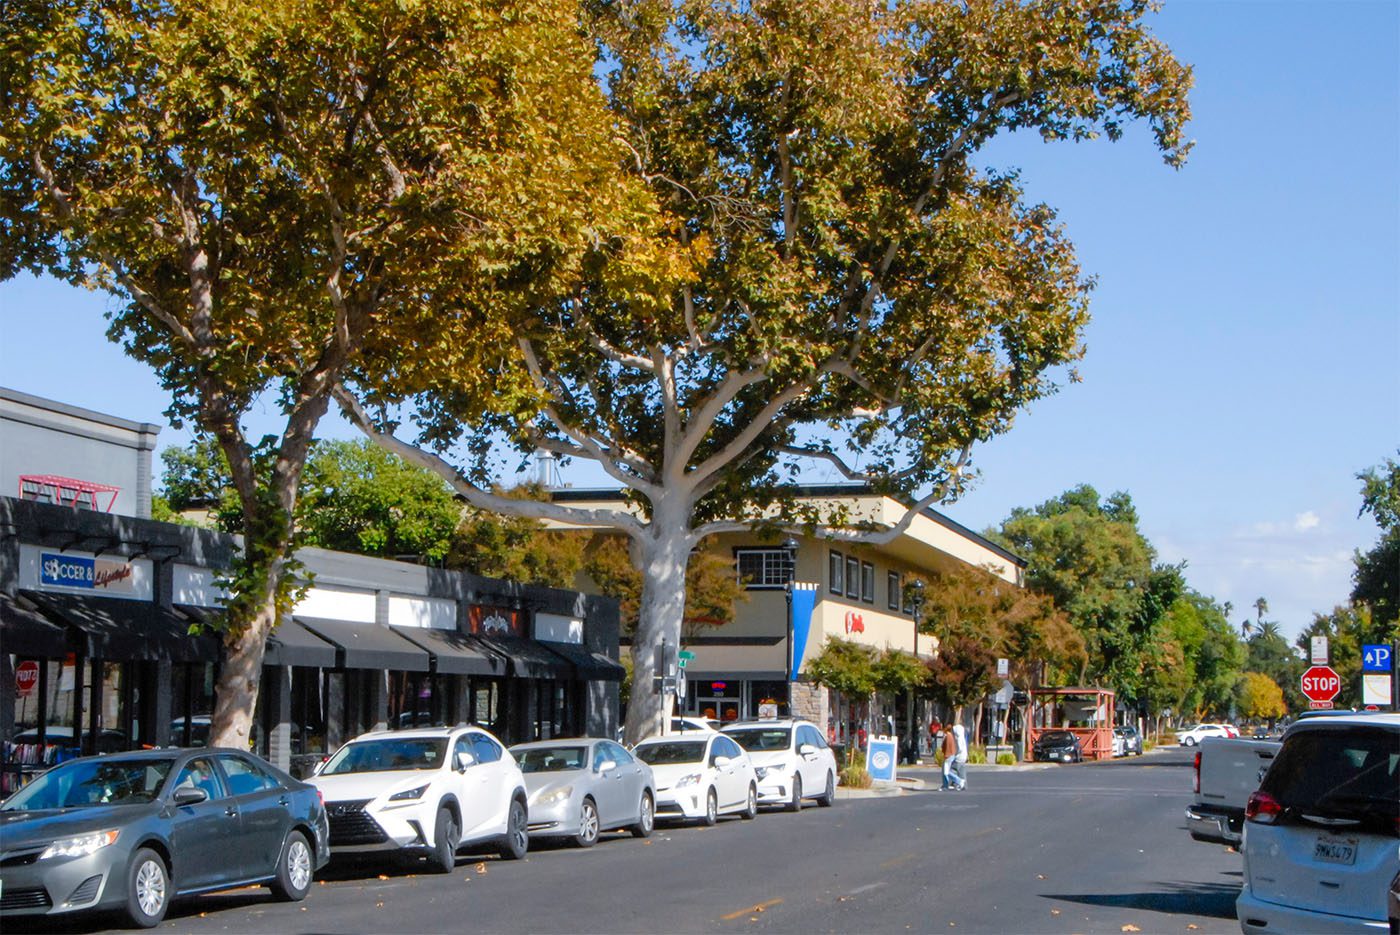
{"x":881,"y":755}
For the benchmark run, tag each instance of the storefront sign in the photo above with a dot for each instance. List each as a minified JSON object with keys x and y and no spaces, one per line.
{"x":855,"y":623}
{"x":496,"y":621}
{"x":57,"y":570}
{"x":26,"y":678}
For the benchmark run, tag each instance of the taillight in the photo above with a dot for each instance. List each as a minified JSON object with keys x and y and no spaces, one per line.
{"x":1196,"y":780}
{"x":1262,"y":808}
{"x":321,"y":796}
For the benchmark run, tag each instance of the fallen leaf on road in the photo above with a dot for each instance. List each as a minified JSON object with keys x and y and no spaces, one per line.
{"x":1040,"y":876}
{"x":481,"y":868}
{"x":303,"y":908}
{"x":842,"y":899}
{"x":1054,"y":912}
{"x":1193,"y":926}
{"x":379,"y":905}
{"x":204,"y":915}
{"x":1130,"y":928}
{"x":1232,"y":850}
{"x":383,"y":876}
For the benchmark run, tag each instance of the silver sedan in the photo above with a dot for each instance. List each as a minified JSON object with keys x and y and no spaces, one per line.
{"x":581,"y":787}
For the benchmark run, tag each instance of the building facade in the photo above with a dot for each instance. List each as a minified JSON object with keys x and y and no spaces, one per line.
{"x":109,"y":640}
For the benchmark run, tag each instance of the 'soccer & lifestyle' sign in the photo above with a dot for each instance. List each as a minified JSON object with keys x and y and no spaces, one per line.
{"x":57,"y":570}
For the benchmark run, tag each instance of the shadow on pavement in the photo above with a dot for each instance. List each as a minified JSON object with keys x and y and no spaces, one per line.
{"x":1214,"y":900}
{"x":83,"y":922}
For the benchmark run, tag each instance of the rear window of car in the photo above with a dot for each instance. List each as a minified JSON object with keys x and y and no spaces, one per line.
{"x":1351,"y":773}
{"x":660,"y":754}
{"x":755,"y":739}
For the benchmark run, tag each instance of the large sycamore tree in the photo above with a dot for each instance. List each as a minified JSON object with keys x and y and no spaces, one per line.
{"x":276,"y":191}
{"x":831,"y":277}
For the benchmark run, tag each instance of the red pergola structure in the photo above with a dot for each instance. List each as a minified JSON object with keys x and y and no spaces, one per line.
{"x":66,"y":491}
{"x":1085,"y":712}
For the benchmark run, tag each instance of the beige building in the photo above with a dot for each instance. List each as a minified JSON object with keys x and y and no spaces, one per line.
{"x":845,"y":590}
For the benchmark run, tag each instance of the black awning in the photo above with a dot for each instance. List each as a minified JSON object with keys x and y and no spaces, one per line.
{"x":116,"y":630}
{"x":454,"y":652}
{"x":368,"y":645}
{"x":289,"y":643}
{"x":591,"y":666}
{"x":26,"y":632}
{"x":528,"y":658}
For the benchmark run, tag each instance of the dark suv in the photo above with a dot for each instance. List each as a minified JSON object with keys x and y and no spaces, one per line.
{"x":1057,"y":746}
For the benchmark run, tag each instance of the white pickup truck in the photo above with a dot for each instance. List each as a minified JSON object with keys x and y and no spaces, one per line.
{"x":1226,"y":772}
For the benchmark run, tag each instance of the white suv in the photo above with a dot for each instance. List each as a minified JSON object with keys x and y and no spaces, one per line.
{"x":1320,"y":835}
{"x":429,"y":790}
{"x":791,"y":759}
{"x":700,"y":775}
{"x":1189,"y":738}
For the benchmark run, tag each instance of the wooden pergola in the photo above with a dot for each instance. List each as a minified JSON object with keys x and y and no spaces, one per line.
{"x":1085,"y":712}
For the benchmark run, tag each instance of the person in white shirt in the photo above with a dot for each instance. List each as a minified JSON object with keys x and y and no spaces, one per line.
{"x":960,"y":760}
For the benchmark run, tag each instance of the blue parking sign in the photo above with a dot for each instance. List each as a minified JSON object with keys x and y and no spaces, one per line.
{"x":1375,"y":658}
{"x":880,"y":757}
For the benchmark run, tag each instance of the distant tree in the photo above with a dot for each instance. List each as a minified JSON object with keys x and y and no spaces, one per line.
{"x":1376,"y":578}
{"x":847,"y":668}
{"x":897,"y":671}
{"x":1089,"y":556}
{"x":1261,"y":697}
{"x":963,"y":672}
{"x":1269,"y":653}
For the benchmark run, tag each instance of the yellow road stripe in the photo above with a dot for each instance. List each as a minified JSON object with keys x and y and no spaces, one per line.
{"x":751,"y":910}
{"x":896,"y":861}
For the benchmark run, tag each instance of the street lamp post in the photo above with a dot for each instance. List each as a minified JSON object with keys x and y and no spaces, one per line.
{"x":916,"y":588}
{"x":790,"y":548}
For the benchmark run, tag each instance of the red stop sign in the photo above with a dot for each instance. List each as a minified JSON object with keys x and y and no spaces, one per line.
{"x":26,"y":678}
{"x":1320,"y":683}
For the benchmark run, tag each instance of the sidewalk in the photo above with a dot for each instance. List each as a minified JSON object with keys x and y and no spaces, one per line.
{"x":927,"y":777}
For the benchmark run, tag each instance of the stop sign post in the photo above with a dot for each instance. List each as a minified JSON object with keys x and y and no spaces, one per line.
{"x":1321,"y":685}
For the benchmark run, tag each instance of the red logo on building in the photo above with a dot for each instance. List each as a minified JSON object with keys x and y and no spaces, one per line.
{"x":855,"y":623}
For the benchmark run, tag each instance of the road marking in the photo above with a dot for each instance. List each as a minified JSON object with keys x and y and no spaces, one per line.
{"x":896,"y":861}
{"x":748,"y":910}
{"x":866,"y":888}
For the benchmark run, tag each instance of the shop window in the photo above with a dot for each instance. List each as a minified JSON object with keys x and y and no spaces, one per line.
{"x":486,"y":707}
{"x":767,"y":693}
{"x":308,"y":723}
{"x":867,"y":582}
{"x":893,"y":589}
{"x":836,"y":573}
{"x":761,"y":569}
{"x":191,"y":704}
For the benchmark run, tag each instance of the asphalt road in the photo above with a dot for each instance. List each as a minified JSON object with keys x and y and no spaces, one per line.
{"x":1064,"y":849}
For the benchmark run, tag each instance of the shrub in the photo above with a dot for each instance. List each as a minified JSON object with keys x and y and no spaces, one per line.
{"x":1006,"y":759}
{"x":977,"y":753}
{"x":854,"y":776}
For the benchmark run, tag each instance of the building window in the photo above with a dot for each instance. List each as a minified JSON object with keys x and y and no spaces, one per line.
{"x":852,"y":577}
{"x":892,"y":586}
{"x":836,"y":573}
{"x":763,"y":568}
{"x":867,"y":582}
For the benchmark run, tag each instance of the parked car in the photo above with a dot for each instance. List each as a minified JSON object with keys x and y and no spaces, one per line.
{"x":108,"y":740}
{"x":132,"y":831}
{"x":1057,"y":745}
{"x":579,"y":788}
{"x":1225,"y":775}
{"x":700,"y":777}
{"x":791,"y":760}
{"x":1231,"y":730}
{"x":684,"y":723}
{"x":1194,"y":735}
{"x":1320,"y":848}
{"x":425,"y":791}
{"x":1127,"y":741}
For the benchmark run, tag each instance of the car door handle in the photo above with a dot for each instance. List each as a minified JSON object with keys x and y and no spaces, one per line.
{"x":284,"y":801}
{"x":231,"y":812}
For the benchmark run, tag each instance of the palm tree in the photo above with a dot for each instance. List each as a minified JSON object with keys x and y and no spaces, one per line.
{"x":1261,"y":607}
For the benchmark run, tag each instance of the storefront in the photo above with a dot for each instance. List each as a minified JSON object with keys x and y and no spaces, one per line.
{"x":96,"y":621}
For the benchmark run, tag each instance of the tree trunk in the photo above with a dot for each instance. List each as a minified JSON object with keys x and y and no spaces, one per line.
{"x":236,"y":690}
{"x":664,"y":554}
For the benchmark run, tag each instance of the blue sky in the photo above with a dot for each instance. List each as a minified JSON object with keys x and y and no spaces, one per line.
{"x":1244,"y":358}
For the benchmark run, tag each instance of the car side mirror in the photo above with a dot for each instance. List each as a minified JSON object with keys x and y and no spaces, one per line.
{"x":463,"y":760}
{"x":722,"y":761}
{"x":806,"y":749}
{"x":190,"y":795}
{"x":606,"y":766}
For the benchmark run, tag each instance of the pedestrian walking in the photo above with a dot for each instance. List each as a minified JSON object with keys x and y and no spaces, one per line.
{"x":950,"y":757}
{"x":960,"y":756}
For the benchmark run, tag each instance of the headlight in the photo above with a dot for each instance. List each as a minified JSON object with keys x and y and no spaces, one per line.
{"x":554,"y":796}
{"x":760,"y":771}
{"x":688,"y":780}
{"x":81,"y":846}
{"x":408,"y":794}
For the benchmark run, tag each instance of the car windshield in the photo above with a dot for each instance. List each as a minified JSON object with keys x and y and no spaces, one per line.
{"x":761,"y":738}
{"x":390,"y":753}
{"x":1056,"y":736}
{"x":84,"y":783}
{"x":660,"y":754}
{"x":1353,"y":773}
{"x":550,"y":759}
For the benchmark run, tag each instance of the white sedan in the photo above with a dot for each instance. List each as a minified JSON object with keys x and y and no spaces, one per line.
{"x":700,"y":776}
{"x":1193,"y":736}
{"x":431,"y":790}
{"x":791,"y":760}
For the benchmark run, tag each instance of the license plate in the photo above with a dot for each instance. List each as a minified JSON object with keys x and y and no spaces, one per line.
{"x":1330,"y":850}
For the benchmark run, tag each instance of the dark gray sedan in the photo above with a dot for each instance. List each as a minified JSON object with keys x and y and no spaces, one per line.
{"x":131,"y":831}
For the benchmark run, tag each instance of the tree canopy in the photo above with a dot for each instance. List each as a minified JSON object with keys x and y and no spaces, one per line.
{"x":277,"y":191}
{"x":828,"y":275}
{"x":1376,"y":577}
